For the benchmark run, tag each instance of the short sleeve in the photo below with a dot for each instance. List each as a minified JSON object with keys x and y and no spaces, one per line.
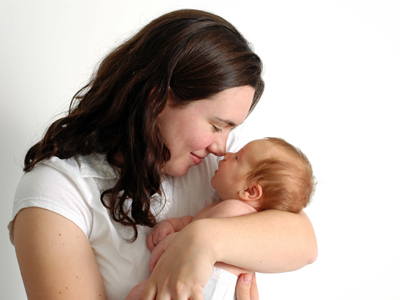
{"x":48,"y":188}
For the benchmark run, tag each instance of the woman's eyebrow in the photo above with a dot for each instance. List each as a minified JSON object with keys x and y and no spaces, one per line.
{"x":229,"y":122}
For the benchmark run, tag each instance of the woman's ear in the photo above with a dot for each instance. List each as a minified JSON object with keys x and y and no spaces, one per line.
{"x":253,"y":192}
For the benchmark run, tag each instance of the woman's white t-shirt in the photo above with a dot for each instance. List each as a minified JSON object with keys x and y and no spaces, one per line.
{"x":72,"y":188}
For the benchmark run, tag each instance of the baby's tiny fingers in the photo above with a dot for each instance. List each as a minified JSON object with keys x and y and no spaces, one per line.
{"x":150,"y":243}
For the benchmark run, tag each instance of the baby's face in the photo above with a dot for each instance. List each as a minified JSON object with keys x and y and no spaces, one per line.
{"x":231,"y":176}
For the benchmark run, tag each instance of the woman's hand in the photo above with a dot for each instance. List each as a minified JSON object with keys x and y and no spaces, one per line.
{"x":246,"y":287}
{"x":159,"y":250}
{"x":136,"y":292}
{"x":183,"y":270}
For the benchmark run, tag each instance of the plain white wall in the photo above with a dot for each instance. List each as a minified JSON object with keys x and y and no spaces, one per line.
{"x":332,"y":73}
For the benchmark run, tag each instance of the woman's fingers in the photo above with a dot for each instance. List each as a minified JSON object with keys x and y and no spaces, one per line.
{"x":166,"y":292}
{"x":136,"y":291}
{"x":243,"y":287}
{"x":246,"y":288}
{"x":183,"y":270}
{"x":149,"y":292}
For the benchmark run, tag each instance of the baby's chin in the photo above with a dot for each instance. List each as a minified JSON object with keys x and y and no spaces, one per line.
{"x":216,"y":189}
{"x":213,"y":182}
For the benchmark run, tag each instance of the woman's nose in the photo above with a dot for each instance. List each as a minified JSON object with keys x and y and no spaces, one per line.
{"x":218,"y":146}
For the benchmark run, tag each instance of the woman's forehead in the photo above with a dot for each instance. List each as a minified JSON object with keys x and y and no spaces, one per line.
{"x":231,"y":105}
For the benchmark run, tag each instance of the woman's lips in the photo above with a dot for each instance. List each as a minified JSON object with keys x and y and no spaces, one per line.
{"x":196,"y":159}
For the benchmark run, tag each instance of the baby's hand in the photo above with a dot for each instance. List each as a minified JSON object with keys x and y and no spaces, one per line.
{"x":158,"y":233}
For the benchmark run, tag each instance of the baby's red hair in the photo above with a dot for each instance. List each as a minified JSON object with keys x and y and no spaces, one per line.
{"x":287,"y":184}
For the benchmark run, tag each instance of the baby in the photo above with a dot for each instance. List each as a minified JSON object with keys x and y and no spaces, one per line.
{"x":265,"y":174}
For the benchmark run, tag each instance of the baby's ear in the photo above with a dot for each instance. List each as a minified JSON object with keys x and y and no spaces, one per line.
{"x":253,"y":191}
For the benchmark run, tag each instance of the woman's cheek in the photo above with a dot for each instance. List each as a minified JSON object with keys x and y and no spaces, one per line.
{"x":201,"y":141}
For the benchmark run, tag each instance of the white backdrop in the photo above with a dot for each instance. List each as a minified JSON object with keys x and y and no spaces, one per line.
{"x":332,"y":73}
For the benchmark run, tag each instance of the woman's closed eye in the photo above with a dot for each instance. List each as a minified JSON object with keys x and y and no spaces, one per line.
{"x":217,"y":129}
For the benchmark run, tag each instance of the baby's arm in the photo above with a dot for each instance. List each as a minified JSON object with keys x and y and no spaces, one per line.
{"x":164,"y":228}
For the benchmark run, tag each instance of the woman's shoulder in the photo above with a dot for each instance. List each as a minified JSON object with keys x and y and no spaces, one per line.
{"x":93,"y":165}
{"x":75,"y":179}
{"x":70,"y":187}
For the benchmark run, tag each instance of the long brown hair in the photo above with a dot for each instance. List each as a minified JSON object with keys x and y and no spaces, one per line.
{"x":194,"y":55}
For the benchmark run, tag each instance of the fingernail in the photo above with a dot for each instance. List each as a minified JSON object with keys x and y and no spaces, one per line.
{"x":246,"y":278}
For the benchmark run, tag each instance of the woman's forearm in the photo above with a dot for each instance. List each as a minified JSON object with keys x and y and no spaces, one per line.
{"x":270,"y":241}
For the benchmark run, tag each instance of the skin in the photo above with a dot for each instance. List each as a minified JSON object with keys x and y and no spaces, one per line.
{"x":239,"y":196}
{"x":286,"y":241}
{"x":164,"y":233}
{"x":203,"y":127}
{"x":230,"y":180}
{"x":55,"y":257}
{"x":57,"y":261}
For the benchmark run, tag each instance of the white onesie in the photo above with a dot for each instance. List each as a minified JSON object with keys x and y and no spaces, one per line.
{"x":220,"y":286}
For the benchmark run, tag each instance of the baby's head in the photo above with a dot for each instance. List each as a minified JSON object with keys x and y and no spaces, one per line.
{"x":268,"y":174}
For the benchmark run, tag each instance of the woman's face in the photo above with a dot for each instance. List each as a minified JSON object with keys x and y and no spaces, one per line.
{"x":202,"y":127}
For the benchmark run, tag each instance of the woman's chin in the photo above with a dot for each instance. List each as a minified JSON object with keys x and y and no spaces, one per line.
{"x":176,"y":172}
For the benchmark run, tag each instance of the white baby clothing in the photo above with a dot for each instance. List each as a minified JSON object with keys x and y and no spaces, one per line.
{"x":220,"y":286}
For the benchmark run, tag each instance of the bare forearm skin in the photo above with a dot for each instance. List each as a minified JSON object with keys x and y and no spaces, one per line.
{"x":268,"y":242}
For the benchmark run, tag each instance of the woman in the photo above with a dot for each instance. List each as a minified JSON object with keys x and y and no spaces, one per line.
{"x":134,"y":149}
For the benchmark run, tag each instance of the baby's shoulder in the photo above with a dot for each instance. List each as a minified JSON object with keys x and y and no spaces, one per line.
{"x":230,"y":208}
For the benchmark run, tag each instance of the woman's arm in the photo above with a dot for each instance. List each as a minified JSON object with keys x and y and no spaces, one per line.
{"x":269,"y":241}
{"x":55,"y":257}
